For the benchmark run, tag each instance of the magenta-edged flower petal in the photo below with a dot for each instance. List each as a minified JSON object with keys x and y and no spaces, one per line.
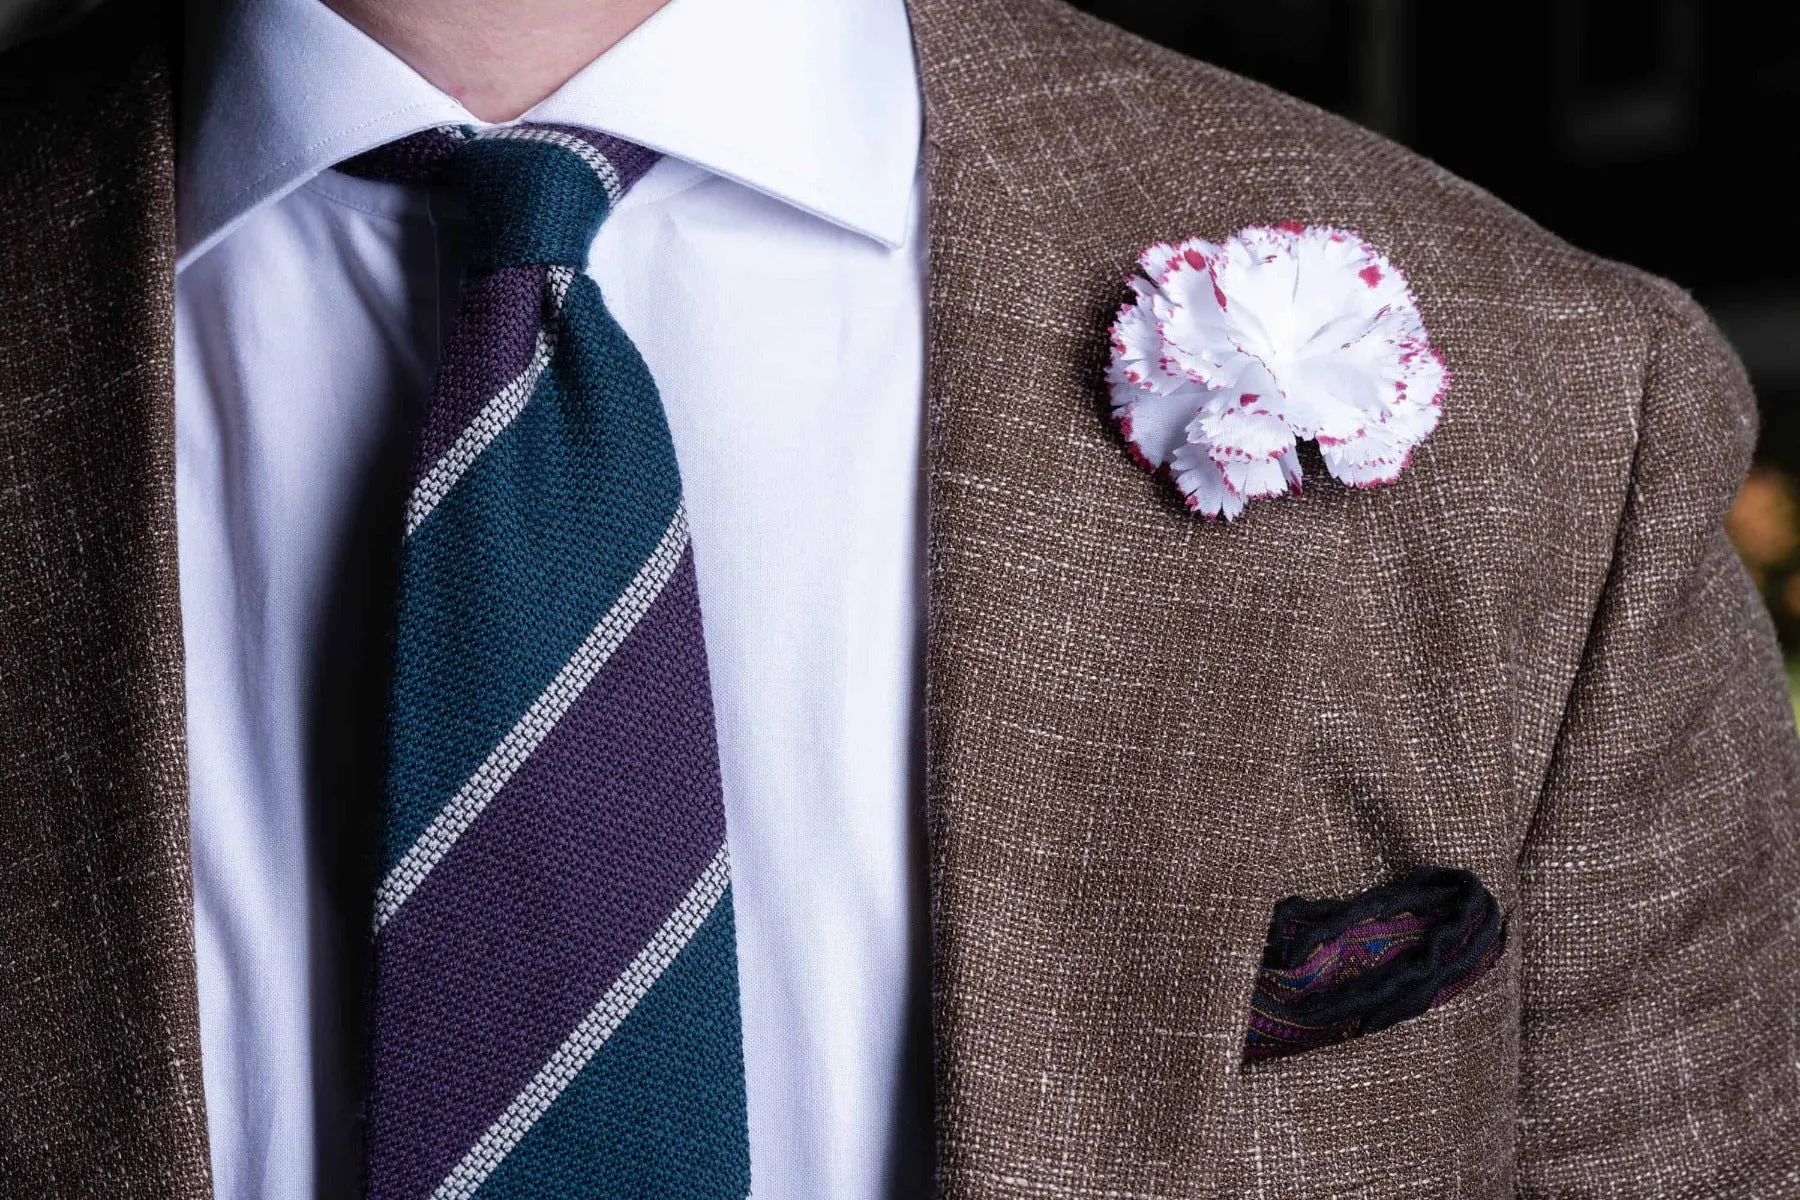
{"x":1244,"y":432}
{"x":1202,"y":484}
{"x":1229,"y":353}
{"x":1251,"y":478}
{"x":1139,"y":357}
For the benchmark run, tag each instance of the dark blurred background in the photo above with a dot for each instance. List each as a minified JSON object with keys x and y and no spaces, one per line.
{"x":1658,"y":132}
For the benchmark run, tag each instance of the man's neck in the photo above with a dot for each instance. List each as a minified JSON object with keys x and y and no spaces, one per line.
{"x":497,"y":57}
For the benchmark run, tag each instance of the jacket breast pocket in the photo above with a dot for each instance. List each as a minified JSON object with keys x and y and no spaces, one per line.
{"x":1390,"y":1082}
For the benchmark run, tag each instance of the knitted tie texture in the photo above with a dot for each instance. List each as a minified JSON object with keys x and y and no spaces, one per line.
{"x":555,"y":1009}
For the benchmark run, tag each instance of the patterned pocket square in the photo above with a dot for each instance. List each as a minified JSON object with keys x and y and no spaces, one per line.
{"x":1336,"y":969}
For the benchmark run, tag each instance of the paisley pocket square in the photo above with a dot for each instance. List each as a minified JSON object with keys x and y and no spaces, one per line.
{"x":1337,"y":969}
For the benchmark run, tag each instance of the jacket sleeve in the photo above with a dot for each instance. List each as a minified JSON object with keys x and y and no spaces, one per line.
{"x":1659,"y":906}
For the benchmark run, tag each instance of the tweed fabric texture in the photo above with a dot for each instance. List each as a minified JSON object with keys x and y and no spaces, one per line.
{"x":1336,"y":969}
{"x":100,"y":1090}
{"x":555,"y":1006}
{"x":1534,"y":657}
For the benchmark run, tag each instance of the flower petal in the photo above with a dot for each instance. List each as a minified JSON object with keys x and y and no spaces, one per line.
{"x":1262,"y":477}
{"x":1138,"y":354}
{"x":1155,"y":423}
{"x":1202,"y":484}
{"x":1243,"y":432}
{"x":1290,"y":467}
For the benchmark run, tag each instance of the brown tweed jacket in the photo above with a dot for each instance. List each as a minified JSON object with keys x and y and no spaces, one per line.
{"x":1535,"y":657}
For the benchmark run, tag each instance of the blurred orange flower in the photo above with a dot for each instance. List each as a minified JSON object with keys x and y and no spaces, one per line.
{"x":1764,"y":521}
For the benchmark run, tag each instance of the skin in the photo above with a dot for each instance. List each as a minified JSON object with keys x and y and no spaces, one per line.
{"x":498,"y":57}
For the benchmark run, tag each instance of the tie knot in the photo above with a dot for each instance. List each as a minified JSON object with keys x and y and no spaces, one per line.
{"x":536,"y":194}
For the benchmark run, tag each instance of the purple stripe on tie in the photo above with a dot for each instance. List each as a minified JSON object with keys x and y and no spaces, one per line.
{"x":421,"y":158}
{"x":504,"y":312}
{"x":629,"y":159}
{"x":543,"y":900}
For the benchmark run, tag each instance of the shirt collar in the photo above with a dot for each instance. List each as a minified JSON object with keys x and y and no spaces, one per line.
{"x":814,"y":102}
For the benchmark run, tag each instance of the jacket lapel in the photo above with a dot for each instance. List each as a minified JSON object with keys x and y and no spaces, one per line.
{"x":100,"y":1059}
{"x":1118,"y":693}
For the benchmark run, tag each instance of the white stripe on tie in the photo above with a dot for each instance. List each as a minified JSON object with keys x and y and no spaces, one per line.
{"x":585,"y":1040}
{"x":529,"y":733}
{"x":494,"y":417}
{"x":581,"y":148}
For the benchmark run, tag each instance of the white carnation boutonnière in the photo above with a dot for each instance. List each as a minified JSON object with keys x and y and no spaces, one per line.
{"x":1231,"y":353}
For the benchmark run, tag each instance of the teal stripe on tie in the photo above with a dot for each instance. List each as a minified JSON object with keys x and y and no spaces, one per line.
{"x":527,"y":552}
{"x":643,"y":1118}
{"x":529,"y":202}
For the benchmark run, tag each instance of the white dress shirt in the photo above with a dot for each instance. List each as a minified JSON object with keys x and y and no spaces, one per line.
{"x":770,"y":272}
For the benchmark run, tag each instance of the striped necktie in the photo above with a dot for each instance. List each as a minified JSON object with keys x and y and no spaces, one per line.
{"x":556,"y":998}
